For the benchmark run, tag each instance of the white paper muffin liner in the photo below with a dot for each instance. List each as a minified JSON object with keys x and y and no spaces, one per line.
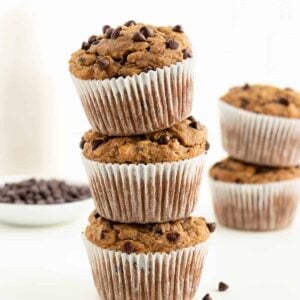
{"x":145,"y":193}
{"x":258,"y":138}
{"x":159,"y":276}
{"x":138,"y":104}
{"x":258,"y":207}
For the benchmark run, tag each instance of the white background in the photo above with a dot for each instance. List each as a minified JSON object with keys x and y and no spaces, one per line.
{"x":41,"y":122}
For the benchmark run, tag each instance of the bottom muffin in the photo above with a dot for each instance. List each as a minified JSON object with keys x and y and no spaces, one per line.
{"x":147,"y":261}
{"x":251,"y":197}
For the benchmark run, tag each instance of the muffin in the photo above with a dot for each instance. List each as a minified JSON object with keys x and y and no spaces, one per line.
{"x":261,"y":124}
{"x":146,"y":261}
{"x":146,"y":178}
{"x":252,"y":197}
{"x":135,"y":78}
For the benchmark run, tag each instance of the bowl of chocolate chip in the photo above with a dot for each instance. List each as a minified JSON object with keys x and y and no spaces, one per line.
{"x":39,"y":202}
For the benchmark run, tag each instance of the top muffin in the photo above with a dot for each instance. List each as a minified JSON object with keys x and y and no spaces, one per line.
{"x":265,"y":99}
{"x":129,"y":50}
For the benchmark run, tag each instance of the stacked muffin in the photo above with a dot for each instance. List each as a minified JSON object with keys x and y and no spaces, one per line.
{"x":258,"y":186}
{"x":144,"y":159}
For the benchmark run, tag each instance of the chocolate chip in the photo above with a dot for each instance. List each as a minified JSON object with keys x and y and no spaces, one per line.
{"x":211,"y":226}
{"x":223,"y":286}
{"x":164,"y":139}
{"x":103,"y":63}
{"x":196,"y":125}
{"x":259,"y":170}
{"x":244,"y":103}
{"x":173,"y":237}
{"x":191,"y":118}
{"x":104,"y":28}
{"x":157,"y":230}
{"x":149,"y":68}
{"x":95,"y":144}
{"x":147,"y":32}
{"x":108,"y":32}
{"x":95,"y":42}
{"x":178,"y":28}
{"x":282,"y":101}
{"x":81,"y":144}
{"x":187,"y":53}
{"x":238,"y":180}
{"x":85,"y":46}
{"x":92,"y":39}
{"x":246,"y":86}
{"x":103,"y":233}
{"x":128,"y":247}
{"x":130,"y":23}
{"x":116,"y":33}
{"x":172,"y":44}
{"x":138,"y":37}
{"x":207,"y":297}
{"x":96,"y":215}
{"x":207,"y":145}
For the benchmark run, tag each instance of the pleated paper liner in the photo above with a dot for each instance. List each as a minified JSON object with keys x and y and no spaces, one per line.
{"x":159,"y":276}
{"x":138,"y":104}
{"x":257,"y":207}
{"x":258,"y":138}
{"x":145,"y":193}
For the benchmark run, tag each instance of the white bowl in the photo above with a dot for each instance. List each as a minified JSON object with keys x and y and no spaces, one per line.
{"x":42,"y":214}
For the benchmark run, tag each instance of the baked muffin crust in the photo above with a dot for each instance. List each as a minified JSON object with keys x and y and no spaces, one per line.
{"x":231,"y":170}
{"x":129,"y":50}
{"x":265,"y":99}
{"x":184,"y":140}
{"x":145,"y":238}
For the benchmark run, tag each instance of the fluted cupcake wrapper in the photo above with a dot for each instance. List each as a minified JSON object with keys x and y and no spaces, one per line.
{"x":138,"y":104}
{"x":145,"y":193}
{"x":258,"y":138}
{"x":257,"y":207}
{"x":160,"y":276}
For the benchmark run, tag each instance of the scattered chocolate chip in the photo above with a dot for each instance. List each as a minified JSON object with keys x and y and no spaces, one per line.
{"x":173,"y":237}
{"x":103,"y":233}
{"x":85,"y":46}
{"x":104,"y":28}
{"x":164,"y":139}
{"x":116,"y":33}
{"x":178,"y":28}
{"x":223,"y":286}
{"x":187,"y":53}
{"x":259,"y":170}
{"x":81,"y":144}
{"x":92,"y":39}
{"x":95,"y":42}
{"x":108,"y":32}
{"x":103,"y":63}
{"x":147,"y":32}
{"x":130,"y":23}
{"x":207,"y":145}
{"x":244,"y":103}
{"x":191,"y":118}
{"x":147,"y":69}
{"x":215,"y":177}
{"x":157,"y":230}
{"x":172,"y":44}
{"x":246,"y":86}
{"x":95,"y":144}
{"x":282,"y":101}
{"x":138,"y":37}
{"x":196,"y":125}
{"x":207,"y":297}
{"x":211,"y":226}
{"x":128,"y":247}
{"x":238,"y":180}
{"x":96,"y":215}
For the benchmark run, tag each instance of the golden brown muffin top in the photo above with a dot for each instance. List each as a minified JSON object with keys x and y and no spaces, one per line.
{"x":232,"y":170}
{"x":128,"y":50}
{"x":145,"y":238}
{"x":265,"y":99}
{"x":183,"y":140}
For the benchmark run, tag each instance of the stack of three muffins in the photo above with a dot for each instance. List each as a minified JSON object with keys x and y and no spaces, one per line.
{"x":258,"y":186}
{"x":144,"y":159}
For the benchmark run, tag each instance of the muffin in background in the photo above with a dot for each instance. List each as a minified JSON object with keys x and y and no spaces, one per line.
{"x":260,"y":124}
{"x":252,"y":197}
{"x":150,"y":261}
{"x":146,"y":178}
{"x":135,"y":78}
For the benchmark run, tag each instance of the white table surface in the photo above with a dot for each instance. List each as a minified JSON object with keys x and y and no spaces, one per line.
{"x":50,"y":263}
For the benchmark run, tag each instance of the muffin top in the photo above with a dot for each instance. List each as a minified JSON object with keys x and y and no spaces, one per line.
{"x":231,"y":170}
{"x":145,"y":238}
{"x":183,"y":140}
{"x":128,"y":50}
{"x":265,"y":99}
